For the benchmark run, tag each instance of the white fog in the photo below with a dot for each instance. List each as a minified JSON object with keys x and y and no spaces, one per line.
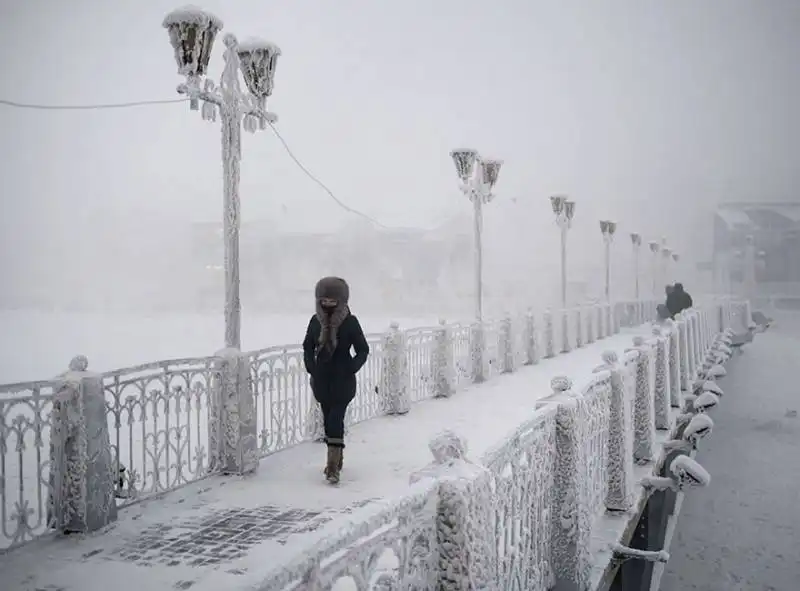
{"x":653,"y":115}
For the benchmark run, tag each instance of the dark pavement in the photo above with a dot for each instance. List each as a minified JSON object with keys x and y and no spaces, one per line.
{"x":742,"y":533}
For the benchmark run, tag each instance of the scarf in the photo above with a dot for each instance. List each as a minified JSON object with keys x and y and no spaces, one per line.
{"x":328,"y":336}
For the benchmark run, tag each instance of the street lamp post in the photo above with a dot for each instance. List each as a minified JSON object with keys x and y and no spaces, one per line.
{"x":608,"y":228}
{"x":666,"y":257}
{"x":654,"y":248}
{"x":192,"y":33}
{"x":477,"y":183}
{"x":565,"y":211}
{"x":636,"y":241}
{"x":750,"y":266}
{"x":675,"y":258}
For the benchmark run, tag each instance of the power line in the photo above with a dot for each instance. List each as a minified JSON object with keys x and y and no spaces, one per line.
{"x":320,"y":183}
{"x":300,"y":165}
{"x":90,"y":107}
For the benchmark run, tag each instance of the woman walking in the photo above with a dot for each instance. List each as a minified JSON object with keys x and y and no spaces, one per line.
{"x":332,"y":332}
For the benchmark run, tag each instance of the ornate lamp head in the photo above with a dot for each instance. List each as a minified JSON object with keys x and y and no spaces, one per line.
{"x":258,"y":59}
{"x":636,"y":239}
{"x":569,"y":209}
{"x":654,"y":247}
{"x":675,"y":257}
{"x":667,"y":252}
{"x":604,"y":227}
{"x":558,"y":202}
{"x":490,"y":169}
{"x":192,"y":32}
{"x":464,"y":159}
{"x":612,"y":228}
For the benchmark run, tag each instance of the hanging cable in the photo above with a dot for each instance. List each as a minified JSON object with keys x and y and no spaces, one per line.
{"x":19,"y":105}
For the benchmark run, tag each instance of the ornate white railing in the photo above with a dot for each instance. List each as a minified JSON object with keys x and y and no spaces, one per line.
{"x":170,"y":423}
{"x":524,"y":517}
{"x":25,"y":422}
{"x":158,"y":417}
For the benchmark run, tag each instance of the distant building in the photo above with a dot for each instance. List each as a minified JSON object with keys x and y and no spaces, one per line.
{"x":775,"y":228}
{"x":399,"y":267}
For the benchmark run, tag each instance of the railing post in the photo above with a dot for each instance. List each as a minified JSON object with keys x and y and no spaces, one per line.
{"x":531,"y":346}
{"x":506,"y":345}
{"x":601,"y":328}
{"x":465,"y":536}
{"x":674,"y":363}
{"x":565,"y":346}
{"x":578,"y":328}
{"x":477,"y":344}
{"x":82,"y":470}
{"x":661,"y":394}
{"x":643,"y":415}
{"x":590,"y":328}
{"x":691,"y":336}
{"x":571,"y":521}
{"x":394,"y":390}
{"x":685,"y":382}
{"x":442,"y":362}
{"x":619,"y":466}
{"x":549,"y":337}
{"x":232,"y":429}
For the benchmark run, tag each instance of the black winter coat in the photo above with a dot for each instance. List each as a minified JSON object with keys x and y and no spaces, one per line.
{"x":333,"y":377}
{"x":678,"y":301}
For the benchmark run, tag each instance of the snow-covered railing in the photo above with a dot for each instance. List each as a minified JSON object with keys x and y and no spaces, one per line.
{"x":525,"y":516}
{"x":173,"y":422}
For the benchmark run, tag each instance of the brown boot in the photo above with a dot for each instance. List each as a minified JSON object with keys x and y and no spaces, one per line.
{"x":334,"y":461}
{"x":331,"y":462}
{"x":341,"y":458}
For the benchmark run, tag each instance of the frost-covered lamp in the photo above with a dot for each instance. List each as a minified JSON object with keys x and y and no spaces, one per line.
{"x":464,"y":159}
{"x":258,"y":59}
{"x":192,"y":32}
{"x":569,"y":209}
{"x":636,"y":239}
{"x":557,"y":202}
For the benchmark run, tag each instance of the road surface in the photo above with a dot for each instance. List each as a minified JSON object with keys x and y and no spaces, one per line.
{"x":743,"y":532}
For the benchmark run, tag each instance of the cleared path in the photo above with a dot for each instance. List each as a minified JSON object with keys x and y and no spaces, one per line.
{"x":743,"y":532}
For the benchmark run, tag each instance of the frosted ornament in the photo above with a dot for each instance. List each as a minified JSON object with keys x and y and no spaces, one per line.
{"x":689,"y":472}
{"x":699,"y":426}
{"x":705,"y":401}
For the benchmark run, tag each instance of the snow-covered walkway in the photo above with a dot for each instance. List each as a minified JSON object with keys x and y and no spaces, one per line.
{"x":228,"y":532}
{"x":742,"y":533}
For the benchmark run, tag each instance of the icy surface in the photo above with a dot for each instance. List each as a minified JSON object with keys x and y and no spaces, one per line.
{"x":381,"y":455}
{"x":741,"y":533}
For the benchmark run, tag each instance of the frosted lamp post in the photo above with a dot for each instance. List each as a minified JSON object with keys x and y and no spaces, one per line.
{"x":750,"y":266}
{"x":477,"y":183}
{"x":608,"y":228}
{"x":675,"y":258}
{"x":666,"y":257}
{"x":192,"y":33}
{"x":564,"y":209}
{"x":654,"y":248}
{"x":636,"y":241}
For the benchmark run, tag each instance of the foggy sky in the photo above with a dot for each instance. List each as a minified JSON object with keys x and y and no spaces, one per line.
{"x":646,"y":112}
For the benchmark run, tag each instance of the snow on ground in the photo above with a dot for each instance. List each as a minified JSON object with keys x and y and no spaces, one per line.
{"x":39,"y":345}
{"x":381,"y":455}
{"x":742,"y":533}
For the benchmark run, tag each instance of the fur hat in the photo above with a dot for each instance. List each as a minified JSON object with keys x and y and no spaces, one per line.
{"x":334,"y":288}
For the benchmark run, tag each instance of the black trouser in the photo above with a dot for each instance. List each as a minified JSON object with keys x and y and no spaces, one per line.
{"x":333,"y":417}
